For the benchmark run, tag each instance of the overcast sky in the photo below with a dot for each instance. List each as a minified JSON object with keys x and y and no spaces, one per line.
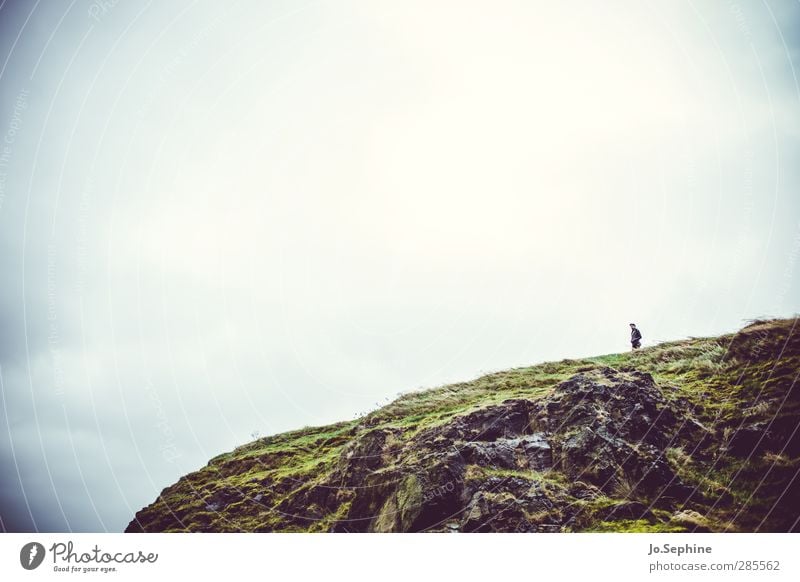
{"x":220,"y":218}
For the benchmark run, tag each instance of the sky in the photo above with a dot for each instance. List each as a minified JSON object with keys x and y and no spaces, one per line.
{"x":219,"y":220}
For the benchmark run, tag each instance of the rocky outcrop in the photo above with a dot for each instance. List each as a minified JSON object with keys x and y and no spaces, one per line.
{"x":572,"y":446}
{"x":507,"y":467}
{"x":612,"y":429}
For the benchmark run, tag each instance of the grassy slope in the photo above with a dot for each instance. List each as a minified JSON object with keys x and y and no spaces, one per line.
{"x":727,"y":380}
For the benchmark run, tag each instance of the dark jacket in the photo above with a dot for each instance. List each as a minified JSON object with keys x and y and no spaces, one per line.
{"x":636,"y":335}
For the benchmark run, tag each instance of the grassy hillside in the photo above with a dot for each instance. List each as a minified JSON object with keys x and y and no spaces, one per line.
{"x":693,"y":435}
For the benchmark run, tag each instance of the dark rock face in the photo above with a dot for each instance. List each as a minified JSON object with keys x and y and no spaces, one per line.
{"x":507,"y":506}
{"x":605,"y":431}
{"x":222,"y":498}
{"x":526,"y":452}
{"x":510,"y":419}
{"x":611,"y":429}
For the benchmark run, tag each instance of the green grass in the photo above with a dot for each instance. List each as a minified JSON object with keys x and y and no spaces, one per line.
{"x":723,"y":380}
{"x":635,"y":526}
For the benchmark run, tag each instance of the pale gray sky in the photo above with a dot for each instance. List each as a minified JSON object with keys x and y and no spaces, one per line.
{"x":215,"y":220}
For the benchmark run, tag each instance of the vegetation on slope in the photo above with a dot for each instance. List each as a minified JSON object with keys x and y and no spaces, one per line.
{"x":693,"y":435}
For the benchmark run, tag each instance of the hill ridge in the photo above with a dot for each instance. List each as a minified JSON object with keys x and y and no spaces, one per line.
{"x":691,"y":435}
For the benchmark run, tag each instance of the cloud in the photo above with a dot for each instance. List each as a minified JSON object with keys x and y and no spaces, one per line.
{"x":257,"y":219}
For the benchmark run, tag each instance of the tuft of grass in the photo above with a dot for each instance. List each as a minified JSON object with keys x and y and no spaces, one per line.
{"x":635,"y":526}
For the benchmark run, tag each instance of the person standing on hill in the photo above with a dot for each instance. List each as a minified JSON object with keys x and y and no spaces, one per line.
{"x":636,"y":337}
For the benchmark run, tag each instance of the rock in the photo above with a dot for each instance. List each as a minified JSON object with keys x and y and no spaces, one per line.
{"x":691,"y":520}
{"x":610,"y":429}
{"x":506,"y":420}
{"x":527,"y":452}
{"x":585,"y":491}
{"x":500,"y":453}
{"x":537,"y":451}
{"x":402,"y":507}
{"x":223,"y":497}
{"x":605,"y":430}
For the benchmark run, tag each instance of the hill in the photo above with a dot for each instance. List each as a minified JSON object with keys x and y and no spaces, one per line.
{"x":692,"y":435}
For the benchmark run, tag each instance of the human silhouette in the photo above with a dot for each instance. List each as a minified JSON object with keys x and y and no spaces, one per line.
{"x":636,"y":337}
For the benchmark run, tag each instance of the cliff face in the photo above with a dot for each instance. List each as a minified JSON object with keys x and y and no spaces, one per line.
{"x":695,"y":435}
